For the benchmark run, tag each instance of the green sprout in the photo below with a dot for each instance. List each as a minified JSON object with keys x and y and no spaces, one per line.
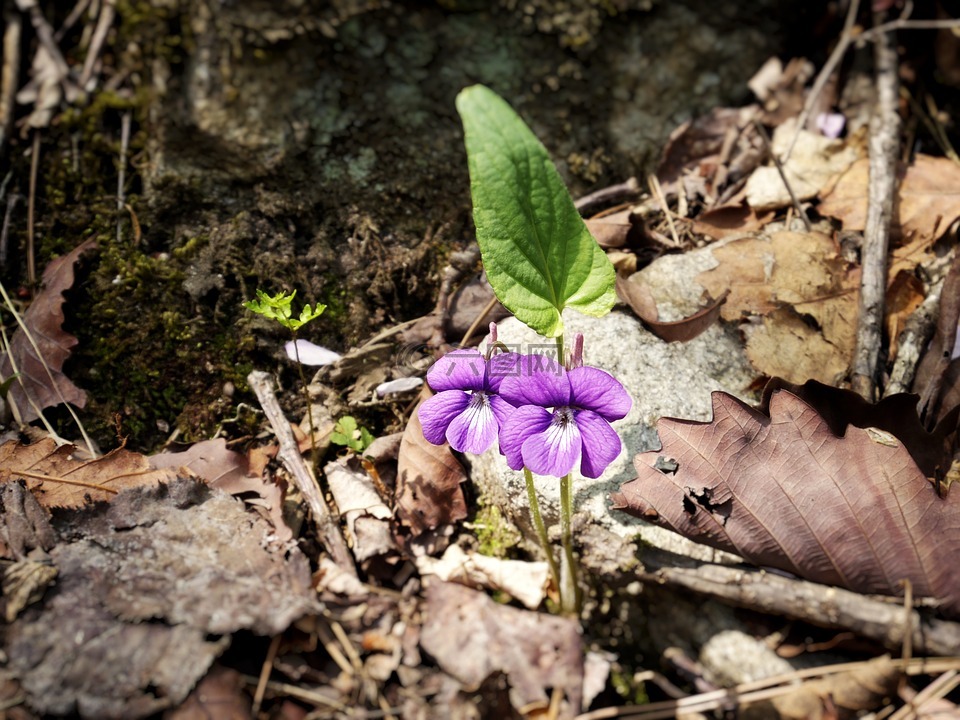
{"x":279,"y":307}
{"x":348,"y":433}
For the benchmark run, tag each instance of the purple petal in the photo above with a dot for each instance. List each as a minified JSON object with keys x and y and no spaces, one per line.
{"x":457,"y":370}
{"x":501,"y":366}
{"x":438,"y":412}
{"x":555,"y":450}
{"x":593,"y":389}
{"x":475,"y":429}
{"x":521,"y":424}
{"x":541,"y":381}
{"x":601,"y":444}
{"x":501,"y":409}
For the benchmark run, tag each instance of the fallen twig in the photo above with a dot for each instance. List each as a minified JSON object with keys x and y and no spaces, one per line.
{"x":884,"y":150}
{"x":328,"y":527}
{"x":810,"y":602}
{"x":615,"y":193}
{"x":913,"y":341}
{"x":9,"y":72}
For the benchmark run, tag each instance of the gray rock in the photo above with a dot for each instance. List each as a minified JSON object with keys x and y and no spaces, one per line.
{"x":664,"y":379}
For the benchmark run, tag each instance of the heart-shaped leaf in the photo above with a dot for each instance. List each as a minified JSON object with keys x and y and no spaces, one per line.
{"x":537,"y":251}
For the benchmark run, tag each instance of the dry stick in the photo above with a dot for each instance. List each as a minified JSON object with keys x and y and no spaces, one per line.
{"x":31,"y":205}
{"x":917,"y":332}
{"x":783,"y":175}
{"x":107,"y":13}
{"x":657,"y":193}
{"x":328,"y":528}
{"x":480,"y":318}
{"x":614,"y":193}
{"x":828,"y":607}
{"x":122,"y":172}
{"x":828,"y":68}
{"x":884,"y":149}
{"x":265,"y":671}
{"x":9,"y":72}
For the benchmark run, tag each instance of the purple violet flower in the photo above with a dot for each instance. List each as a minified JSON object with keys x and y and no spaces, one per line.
{"x":467,"y":412}
{"x":562,"y":417}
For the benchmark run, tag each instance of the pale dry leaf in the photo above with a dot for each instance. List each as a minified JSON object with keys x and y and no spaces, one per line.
{"x":525,"y":581}
{"x":361,"y":507}
{"x":784,"y":491}
{"x":782,"y":344}
{"x":815,"y":160}
{"x":57,"y":479}
{"x":928,"y":199}
{"x":471,"y":636}
{"x":35,"y":387}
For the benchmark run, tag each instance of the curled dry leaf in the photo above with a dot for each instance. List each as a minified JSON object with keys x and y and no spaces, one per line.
{"x":471,"y":636}
{"x":815,"y":160}
{"x":41,"y":382}
{"x":57,"y":479}
{"x":525,"y":581}
{"x":360,"y":505}
{"x":428,"y":481}
{"x":638,"y":296}
{"x":785,"y":491}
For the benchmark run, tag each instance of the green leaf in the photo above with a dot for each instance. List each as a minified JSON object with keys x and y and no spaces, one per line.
{"x":537,"y":251}
{"x":278,"y":307}
{"x":346,"y":432}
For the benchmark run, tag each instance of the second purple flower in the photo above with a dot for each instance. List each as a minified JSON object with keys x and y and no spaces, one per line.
{"x":562,"y":417}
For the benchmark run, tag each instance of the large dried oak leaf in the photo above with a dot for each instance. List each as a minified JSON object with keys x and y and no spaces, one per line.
{"x":784,"y":491}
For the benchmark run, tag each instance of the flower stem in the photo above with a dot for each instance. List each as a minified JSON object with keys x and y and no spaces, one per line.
{"x":570,"y":590}
{"x":542,"y":529}
{"x":306,"y":393}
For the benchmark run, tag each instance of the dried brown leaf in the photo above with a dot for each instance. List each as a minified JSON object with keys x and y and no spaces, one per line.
{"x":803,"y":273}
{"x":229,"y":471}
{"x":785,"y":491}
{"x":865,"y":687}
{"x":728,"y":220}
{"x":219,"y":695}
{"x":611,"y":231}
{"x":428,"y":481}
{"x":471,"y":637}
{"x":36,"y":388}
{"x":928,"y":198}
{"x":694,"y":152}
{"x":57,"y":479}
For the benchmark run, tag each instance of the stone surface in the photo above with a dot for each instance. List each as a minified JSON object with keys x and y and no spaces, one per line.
{"x":664,"y":379}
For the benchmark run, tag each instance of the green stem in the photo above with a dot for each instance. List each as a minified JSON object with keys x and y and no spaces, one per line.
{"x":560,"y":358}
{"x":306,"y":393}
{"x":541,"y":529}
{"x":570,"y":593}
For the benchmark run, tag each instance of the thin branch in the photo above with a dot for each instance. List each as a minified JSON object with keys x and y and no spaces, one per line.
{"x":783,"y":176}
{"x":10,"y":71}
{"x":828,"y":68}
{"x":328,"y":526}
{"x":884,"y":150}
{"x":31,"y":207}
{"x":122,"y":171}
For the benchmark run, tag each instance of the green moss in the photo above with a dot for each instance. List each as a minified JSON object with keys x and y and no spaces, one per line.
{"x":496,"y":537}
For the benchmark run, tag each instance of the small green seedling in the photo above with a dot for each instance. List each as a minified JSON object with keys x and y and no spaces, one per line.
{"x":351,"y":435}
{"x":279,"y":307}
